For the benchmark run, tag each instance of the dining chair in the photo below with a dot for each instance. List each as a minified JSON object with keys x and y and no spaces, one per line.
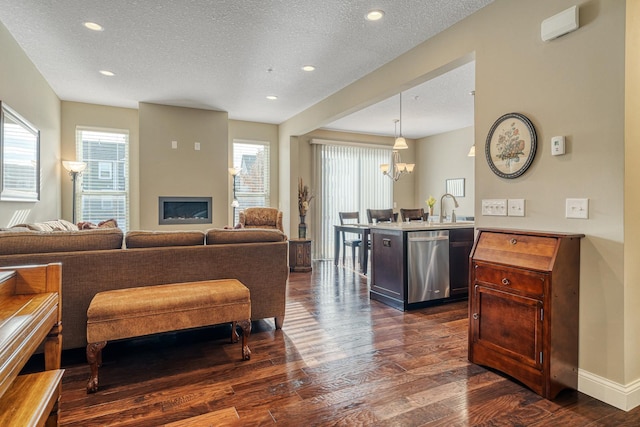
{"x":413,"y":214}
{"x":381,"y":215}
{"x":349,"y":218}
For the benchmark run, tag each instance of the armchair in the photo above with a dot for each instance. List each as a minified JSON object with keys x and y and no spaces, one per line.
{"x":260,"y":218}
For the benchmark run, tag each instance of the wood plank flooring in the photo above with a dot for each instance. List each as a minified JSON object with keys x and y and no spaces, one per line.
{"x":340,"y":360}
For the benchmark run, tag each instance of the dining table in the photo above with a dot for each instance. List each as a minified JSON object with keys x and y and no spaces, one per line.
{"x":363,"y":230}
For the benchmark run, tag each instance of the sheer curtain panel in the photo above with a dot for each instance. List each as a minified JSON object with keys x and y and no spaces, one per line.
{"x":349,"y":180}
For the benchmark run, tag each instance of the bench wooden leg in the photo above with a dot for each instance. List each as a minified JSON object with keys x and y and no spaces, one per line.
{"x":94,"y":358}
{"x":245,"y":325}
{"x":234,"y":332}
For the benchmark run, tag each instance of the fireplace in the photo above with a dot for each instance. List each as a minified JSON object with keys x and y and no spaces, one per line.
{"x":184,"y":210}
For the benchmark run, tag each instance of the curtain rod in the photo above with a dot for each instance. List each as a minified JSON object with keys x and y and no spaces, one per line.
{"x":321,"y":141}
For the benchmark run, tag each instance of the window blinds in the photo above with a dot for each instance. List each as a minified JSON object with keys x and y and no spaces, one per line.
{"x":350,"y":181}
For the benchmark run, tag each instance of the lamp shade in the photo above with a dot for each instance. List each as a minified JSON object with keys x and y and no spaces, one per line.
{"x":234,"y":171}
{"x":472,"y":151}
{"x":400,"y":144}
{"x":384,"y":167}
{"x":76,"y":167}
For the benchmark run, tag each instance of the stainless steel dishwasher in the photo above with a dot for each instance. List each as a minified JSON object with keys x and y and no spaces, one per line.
{"x":428,"y":265}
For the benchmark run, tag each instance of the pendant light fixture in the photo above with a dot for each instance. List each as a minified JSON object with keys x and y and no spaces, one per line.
{"x":397,"y":168}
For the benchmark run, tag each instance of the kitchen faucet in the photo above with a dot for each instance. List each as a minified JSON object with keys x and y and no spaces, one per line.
{"x":442,"y":211}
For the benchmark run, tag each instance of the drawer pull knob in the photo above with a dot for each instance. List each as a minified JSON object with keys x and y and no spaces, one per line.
{"x":513,"y":241}
{"x":506,"y":282}
{"x":475,"y":316}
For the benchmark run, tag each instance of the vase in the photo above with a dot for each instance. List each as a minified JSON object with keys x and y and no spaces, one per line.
{"x":302,"y":228}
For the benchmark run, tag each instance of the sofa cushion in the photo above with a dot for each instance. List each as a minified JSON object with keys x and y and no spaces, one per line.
{"x":150,"y":239}
{"x":31,"y":242}
{"x":243,"y":235}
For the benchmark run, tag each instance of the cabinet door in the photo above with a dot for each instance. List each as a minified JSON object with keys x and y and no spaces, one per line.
{"x":388,"y":272}
{"x":507,"y":328}
{"x":460,"y":244}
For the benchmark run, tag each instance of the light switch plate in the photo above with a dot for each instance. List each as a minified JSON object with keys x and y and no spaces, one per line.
{"x":196,"y":146}
{"x":515,"y":207}
{"x":174,"y":144}
{"x":494,"y":207}
{"x":577,"y":208}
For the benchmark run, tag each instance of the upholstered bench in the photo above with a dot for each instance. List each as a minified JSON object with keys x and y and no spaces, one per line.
{"x":134,"y":312}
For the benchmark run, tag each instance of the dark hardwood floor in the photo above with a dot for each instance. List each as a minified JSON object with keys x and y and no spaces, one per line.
{"x":340,"y":360}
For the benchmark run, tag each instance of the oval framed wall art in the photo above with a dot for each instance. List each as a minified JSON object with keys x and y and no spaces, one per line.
{"x":511,"y":145}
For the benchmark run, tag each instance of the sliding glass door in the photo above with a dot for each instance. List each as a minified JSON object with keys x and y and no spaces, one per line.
{"x":349,"y":180}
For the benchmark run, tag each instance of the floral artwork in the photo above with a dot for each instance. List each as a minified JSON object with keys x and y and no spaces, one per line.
{"x":511,"y":145}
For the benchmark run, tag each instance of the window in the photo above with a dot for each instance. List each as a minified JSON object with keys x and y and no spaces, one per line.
{"x":19,"y":157}
{"x":252,"y":183}
{"x":104,"y":189}
{"x":350,"y":181}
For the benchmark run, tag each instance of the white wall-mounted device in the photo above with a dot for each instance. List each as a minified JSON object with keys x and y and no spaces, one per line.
{"x":557,"y":145}
{"x":577,"y":208}
{"x":560,"y":24}
{"x":494,"y":207}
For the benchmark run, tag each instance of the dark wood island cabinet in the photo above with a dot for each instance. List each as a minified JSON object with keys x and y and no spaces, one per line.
{"x":440,"y":257}
{"x":523,"y":306}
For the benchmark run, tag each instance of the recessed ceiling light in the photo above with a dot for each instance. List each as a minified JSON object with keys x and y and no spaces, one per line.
{"x":93,"y":26}
{"x":308,"y":68}
{"x":374,"y":15}
{"x":272,"y":97}
{"x":107,"y":73}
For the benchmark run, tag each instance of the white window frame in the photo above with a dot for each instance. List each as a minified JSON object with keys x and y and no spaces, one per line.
{"x":81,"y":192}
{"x":236,"y":156}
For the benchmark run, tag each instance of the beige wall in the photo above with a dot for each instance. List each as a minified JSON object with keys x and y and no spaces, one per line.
{"x":99,"y":116}
{"x":572,"y":86}
{"x":632,"y":194}
{"x":183,"y":171}
{"x":23,"y":89}
{"x":442,"y":157}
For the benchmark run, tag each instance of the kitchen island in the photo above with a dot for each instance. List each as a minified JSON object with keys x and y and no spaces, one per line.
{"x":417,"y":264}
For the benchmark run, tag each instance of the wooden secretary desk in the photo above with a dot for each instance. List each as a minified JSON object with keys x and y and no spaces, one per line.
{"x":523,"y":306}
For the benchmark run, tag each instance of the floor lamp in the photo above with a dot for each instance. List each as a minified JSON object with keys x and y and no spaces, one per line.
{"x":234,"y":173}
{"x":75,"y":169}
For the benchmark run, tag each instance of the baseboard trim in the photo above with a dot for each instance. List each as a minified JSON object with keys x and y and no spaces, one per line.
{"x":625,"y":397}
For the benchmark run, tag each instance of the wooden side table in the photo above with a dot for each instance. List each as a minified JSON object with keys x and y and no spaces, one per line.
{"x":300,"y":255}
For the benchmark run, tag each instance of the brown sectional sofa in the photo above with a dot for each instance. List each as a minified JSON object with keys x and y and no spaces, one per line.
{"x":103,"y":259}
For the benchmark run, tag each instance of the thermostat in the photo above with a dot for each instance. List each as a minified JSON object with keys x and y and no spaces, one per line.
{"x":557,"y":145}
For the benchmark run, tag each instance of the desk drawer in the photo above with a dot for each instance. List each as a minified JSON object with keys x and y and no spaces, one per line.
{"x":529,"y":282}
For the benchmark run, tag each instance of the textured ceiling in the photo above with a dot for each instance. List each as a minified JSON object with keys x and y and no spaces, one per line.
{"x":216,"y":54}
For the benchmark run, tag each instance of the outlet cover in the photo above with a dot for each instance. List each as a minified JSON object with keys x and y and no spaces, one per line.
{"x":494,"y":207}
{"x":577,"y":208}
{"x":515,"y":207}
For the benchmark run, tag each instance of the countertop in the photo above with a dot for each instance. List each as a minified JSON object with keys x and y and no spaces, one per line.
{"x":421,"y":226}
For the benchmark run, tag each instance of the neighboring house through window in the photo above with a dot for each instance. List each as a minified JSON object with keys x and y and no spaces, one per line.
{"x":253,"y":181}
{"x":104,"y":189}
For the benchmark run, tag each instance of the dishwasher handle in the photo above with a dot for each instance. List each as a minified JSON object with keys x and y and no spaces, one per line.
{"x":428,"y":239}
